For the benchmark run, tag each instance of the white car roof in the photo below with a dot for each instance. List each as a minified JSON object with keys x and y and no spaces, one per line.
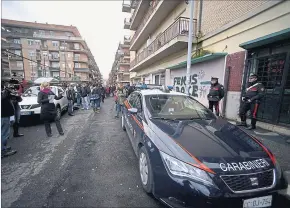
{"x":159,"y":92}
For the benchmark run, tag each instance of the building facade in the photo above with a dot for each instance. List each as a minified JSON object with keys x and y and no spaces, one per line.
{"x":231,"y":39}
{"x":35,"y":50}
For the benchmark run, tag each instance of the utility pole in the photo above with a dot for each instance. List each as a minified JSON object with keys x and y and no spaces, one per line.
{"x":31,"y":64}
{"x":65,"y":59}
{"x":188,"y":68}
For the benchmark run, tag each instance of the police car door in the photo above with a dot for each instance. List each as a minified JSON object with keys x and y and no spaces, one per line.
{"x":136,"y":119}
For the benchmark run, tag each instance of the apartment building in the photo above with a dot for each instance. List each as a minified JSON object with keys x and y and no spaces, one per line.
{"x":121,"y":65}
{"x":231,"y":39}
{"x":35,"y":50}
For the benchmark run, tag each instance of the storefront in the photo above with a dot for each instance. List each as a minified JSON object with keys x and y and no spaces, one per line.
{"x":269,"y":58}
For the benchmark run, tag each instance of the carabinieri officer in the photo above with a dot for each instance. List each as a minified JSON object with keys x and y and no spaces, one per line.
{"x":251,"y":100}
{"x":216,"y":93}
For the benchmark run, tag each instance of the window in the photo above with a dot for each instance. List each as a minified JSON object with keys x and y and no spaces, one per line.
{"x":77,"y":65}
{"x":76,"y":46}
{"x":157,"y":80}
{"x":63,"y":65}
{"x":69,"y":34}
{"x":41,"y":32}
{"x":30,"y":42}
{"x":37,"y":42}
{"x":32,"y":53}
{"x":68,"y":55}
{"x":51,"y":33}
{"x":69,"y":66}
{"x":17,"y":41}
{"x":55,"y":43}
{"x":19,"y":64}
{"x":32,"y":63}
{"x":62,"y":55}
{"x":176,"y":107}
{"x":17,"y":52}
{"x":55,"y":74}
{"x":77,"y":56}
{"x":55,"y":64}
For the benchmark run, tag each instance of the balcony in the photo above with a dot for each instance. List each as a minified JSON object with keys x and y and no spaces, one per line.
{"x":127,"y":23}
{"x":172,"y":40}
{"x":127,"y":39}
{"x":126,"y":7}
{"x":152,"y":20}
{"x":44,"y":47}
{"x":9,"y":45}
{"x":53,"y":58}
{"x":15,"y":57}
{"x":83,"y":70}
{"x":141,"y":7}
{"x":123,"y":62}
{"x":81,"y":59}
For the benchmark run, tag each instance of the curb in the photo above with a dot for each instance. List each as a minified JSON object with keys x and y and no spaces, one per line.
{"x":286,"y":192}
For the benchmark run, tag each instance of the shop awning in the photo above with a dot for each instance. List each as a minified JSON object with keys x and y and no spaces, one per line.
{"x":204,"y":58}
{"x":267,"y":39}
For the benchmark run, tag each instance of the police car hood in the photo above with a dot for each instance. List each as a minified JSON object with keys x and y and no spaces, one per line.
{"x":218,"y":144}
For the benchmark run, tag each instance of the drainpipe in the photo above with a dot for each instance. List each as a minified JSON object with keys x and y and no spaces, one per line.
{"x":200,"y":17}
{"x":226,"y":87}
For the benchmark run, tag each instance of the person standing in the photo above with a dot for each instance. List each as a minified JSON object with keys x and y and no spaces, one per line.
{"x":103,"y":91}
{"x":48,"y":111}
{"x":70,"y":94}
{"x":96,"y":98}
{"x":7,"y":111}
{"x":78,"y":94}
{"x":84,"y":94}
{"x":251,"y":101}
{"x":216,"y":93}
{"x":121,"y":96}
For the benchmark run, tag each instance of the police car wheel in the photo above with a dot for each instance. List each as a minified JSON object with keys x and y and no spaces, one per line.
{"x":123,"y":123}
{"x":145,"y":170}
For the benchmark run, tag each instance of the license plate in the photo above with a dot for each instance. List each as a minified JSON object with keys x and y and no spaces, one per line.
{"x":24,"y":113}
{"x":265,"y":201}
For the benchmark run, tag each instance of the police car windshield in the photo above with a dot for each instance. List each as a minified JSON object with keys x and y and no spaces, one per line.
{"x":177,"y":107}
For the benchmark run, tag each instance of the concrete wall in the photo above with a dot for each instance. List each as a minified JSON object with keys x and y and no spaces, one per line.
{"x":201,"y":74}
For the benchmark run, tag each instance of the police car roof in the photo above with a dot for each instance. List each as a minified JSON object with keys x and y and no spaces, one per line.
{"x":159,"y":92}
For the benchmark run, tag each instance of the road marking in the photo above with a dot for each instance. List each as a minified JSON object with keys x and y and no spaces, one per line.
{"x":266,"y":133}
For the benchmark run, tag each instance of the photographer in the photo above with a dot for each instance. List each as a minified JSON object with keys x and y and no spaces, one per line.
{"x":7,"y":111}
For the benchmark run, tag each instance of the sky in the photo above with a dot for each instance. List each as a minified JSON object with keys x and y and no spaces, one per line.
{"x":100,"y":22}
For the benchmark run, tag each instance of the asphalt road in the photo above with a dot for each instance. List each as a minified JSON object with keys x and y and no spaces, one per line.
{"x":92,"y":165}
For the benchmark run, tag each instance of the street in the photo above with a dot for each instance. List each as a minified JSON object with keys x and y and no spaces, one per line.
{"x":92,"y":165}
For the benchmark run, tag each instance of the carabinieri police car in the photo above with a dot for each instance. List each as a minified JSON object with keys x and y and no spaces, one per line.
{"x":188,"y":157}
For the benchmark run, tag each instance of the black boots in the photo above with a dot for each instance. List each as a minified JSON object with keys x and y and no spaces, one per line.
{"x":15,"y":130}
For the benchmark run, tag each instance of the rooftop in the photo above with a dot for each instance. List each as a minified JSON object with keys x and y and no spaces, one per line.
{"x":44,"y":26}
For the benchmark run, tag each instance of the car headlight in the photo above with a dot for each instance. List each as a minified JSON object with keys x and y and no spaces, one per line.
{"x":181,"y":169}
{"x":35,"y":106}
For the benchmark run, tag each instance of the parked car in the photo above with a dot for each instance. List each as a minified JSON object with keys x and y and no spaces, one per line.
{"x":29,"y":105}
{"x":188,"y":157}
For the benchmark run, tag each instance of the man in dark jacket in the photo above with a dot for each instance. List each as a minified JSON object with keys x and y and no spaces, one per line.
{"x":70,"y":94}
{"x":7,"y":111}
{"x":251,"y":100}
{"x":103,"y":91}
{"x":84,"y":94}
{"x":216,"y":93}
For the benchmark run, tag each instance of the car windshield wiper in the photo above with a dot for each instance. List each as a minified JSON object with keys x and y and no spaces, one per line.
{"x":163,"y":118}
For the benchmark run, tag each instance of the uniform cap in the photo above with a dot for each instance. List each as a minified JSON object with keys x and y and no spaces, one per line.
{"x":214,"y":78}
{"x":253,"y":75}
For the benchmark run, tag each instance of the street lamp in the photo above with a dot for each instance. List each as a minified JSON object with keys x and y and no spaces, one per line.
{"x":189,"y":49}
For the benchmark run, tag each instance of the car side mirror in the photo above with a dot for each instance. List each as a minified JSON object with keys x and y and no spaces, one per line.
{"x":133,"y":110}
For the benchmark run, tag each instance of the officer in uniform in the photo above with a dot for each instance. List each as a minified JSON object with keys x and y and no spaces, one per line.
{"x":251,"y":100}
{"x":216,"y":93}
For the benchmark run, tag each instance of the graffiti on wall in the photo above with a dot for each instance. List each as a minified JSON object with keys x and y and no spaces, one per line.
{"x":198,"y":88}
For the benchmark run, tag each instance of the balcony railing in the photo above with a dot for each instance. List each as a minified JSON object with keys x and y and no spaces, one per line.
{"x":15,"y":57}
{"x":150,"y":11}
{"x":8,"y":45}
{"x":136,"y":4}
{"x":127,"y":23}
{"x":127,"y":39}
{"x":126,"y":7}
{"x":179,"y":28}
{"x":124,"y":61}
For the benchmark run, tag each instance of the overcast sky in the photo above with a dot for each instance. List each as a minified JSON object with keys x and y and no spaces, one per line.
{"x":99,"y":22}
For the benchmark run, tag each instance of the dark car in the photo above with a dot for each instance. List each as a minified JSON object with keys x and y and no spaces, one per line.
{"x":188,"y":157}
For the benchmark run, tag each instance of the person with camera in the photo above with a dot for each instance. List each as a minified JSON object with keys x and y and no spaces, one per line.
{"x":7,"y":111}
{"x":48,"y":110}
{"x":15,"y":101}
